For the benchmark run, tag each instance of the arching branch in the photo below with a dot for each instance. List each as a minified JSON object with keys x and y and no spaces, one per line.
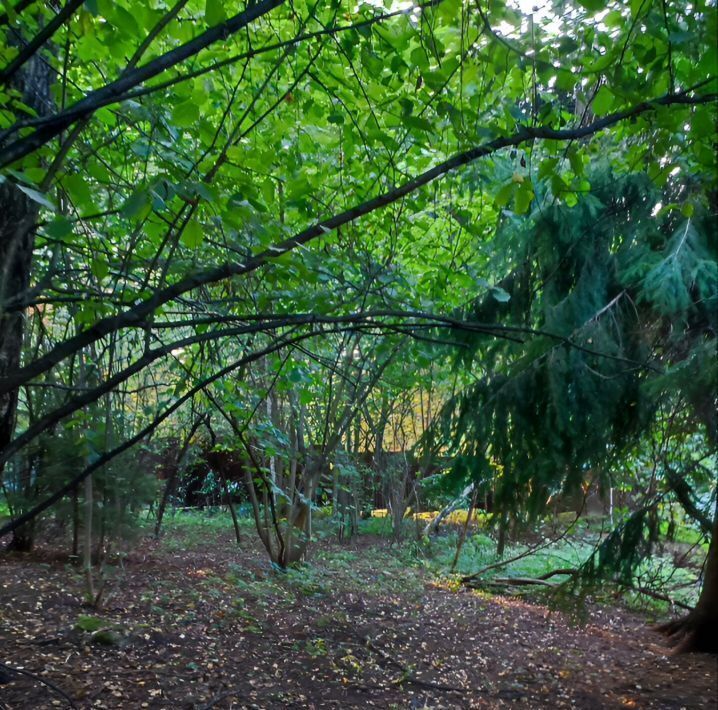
{"x":136,"y":314}
{"x":54,"y":125}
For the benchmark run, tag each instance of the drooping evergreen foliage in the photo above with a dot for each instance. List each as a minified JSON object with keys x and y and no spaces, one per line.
{"x":614,"y":305}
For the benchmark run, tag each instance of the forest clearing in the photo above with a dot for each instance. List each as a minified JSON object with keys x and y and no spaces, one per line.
{"x":196,"y":621}
{"x":358,"y":352}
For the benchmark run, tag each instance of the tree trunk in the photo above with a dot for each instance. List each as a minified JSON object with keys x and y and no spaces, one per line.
{"x":174,"y":475}
{"x":297,"y":536}
{"x":18,"y":217}
{"x":501,"y":543}
{"x":23,"y":538}
{"x":465,"y":529}
{"x":230,"y":504}
{"x":433,"y":526}
{"x":698,"y":631}
{"x":87,"y":542}
{"x":75,"y":523}
{"x":299,"y":517}
{"x":18,"y":214}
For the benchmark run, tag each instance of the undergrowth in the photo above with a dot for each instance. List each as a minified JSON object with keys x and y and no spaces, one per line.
{"x":390,"y":566}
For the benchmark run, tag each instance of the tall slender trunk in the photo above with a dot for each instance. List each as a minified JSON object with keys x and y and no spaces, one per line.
{"x":174,"y":475}
{"x":503,"y":528}
{"x":270,"y":418}
{"x":75,"y":523}
{"x":18,"y":214}
{"x":465,"y":529}
{"x":87,"y":542}
{"x":225,"y":485}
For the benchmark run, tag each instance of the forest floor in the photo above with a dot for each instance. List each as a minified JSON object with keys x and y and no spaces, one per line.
{"x":193,"y":621}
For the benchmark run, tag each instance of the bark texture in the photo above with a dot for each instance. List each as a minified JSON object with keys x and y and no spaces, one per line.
{"x":18,"y":217}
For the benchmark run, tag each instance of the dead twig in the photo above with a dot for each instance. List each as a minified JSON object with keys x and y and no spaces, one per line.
{"x":407,"y":675}
{"x":566,"y":570}
{"x":220,"y":697}
{"x":34,"y":676}
{"x":541,"y":580}
{"x":659,"y":596}
{"x":519,"y":582}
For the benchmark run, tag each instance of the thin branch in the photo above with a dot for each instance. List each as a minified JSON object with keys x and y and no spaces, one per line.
{"x":527,"y":552}
{"x":5,"y":17}
{"x":108,"y":94}
{"x":138,"y":313}
{"x":107,"y":456}
{"x":154,"y":33}
{"x":43,"y":36}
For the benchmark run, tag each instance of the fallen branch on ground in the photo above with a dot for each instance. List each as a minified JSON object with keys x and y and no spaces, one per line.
{"x":220,"y":697}
{"x":527,"y":552}
{"x":34,"y":676}
{"x":432,"y":526}
{"x":541,"y":580}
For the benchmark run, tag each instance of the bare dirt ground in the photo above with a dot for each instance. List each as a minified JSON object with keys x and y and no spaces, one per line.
{"x":195,"y":622}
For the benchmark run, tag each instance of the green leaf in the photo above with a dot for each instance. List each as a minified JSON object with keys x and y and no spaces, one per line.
{"x":571,"y":199}
{"x":558,"y":184}
{"x":504,"y":195}
{"x":37,"y":196}
{"x":576,"y":160}
{"x":566,"y":80}
{"x":636,"y":6}
{"x":185,"y":114}
{"x":214,"y":12}
{"x":192,"y":235}
{"x":417,"y":122}
{"x":603,"y":101}
{"x":78,"y":190}
{"x":523,"y":198}
{"x":124,"y":20}
{"x":592,"y":5}
{"x":418,"y":58}
{"x":547,"y":168}
{"x":60,"y":228}
{"x":702,"y":122}
{"x":100,"y":268}
{"x":138,"y":204}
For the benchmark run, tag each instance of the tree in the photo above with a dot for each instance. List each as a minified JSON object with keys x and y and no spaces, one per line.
{"x":633,"y":288}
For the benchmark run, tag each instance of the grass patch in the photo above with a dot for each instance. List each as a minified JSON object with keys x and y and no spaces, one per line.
{"x":188,"y":529}
{"x":390,"y":568}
